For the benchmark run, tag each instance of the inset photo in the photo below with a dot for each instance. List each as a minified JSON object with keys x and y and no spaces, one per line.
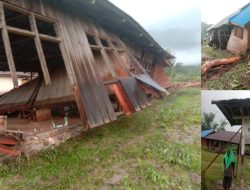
{"x":225,"y":139}
{"x":225,"y":45}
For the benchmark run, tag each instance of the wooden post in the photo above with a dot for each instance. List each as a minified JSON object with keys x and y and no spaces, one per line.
{"x":7,"y":47}
{"x":219,"y":38}
{"x":238,"y":156}
{"x":242,"y":161}
{"x":40,"y":50}
{"x":105,"y":57}
{"x":65,"y":55}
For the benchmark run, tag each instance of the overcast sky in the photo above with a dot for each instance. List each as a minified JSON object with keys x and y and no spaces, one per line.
{"x":212,"y":11}
{"x":174,"y":24}
{"x":208,"y":95}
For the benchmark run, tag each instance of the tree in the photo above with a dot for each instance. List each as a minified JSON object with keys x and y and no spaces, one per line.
{"x":209,"y":123}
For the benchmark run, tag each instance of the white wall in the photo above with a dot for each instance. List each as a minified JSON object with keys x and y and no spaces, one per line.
{"x":6,"y":84}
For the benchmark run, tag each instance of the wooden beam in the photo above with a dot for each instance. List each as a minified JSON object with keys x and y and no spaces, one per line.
{"x":49,"y":38}
{"x":105,"y":57}
{"x":20,"y":31}
{"x":8,"y":49}
{"x":40,"y":50}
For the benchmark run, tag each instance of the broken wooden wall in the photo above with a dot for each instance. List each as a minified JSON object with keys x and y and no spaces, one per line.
{"x":86,"y":80}
{"x":237,"y":45}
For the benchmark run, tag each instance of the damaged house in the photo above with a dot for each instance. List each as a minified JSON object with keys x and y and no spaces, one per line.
{"x":87,"y":62}
{"x":233,"y":32}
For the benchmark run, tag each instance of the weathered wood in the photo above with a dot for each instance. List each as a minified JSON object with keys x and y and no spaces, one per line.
{"x":7,"y":47}
{"x":122,"y":98}
{"x":9,"y":151}
{"x":65,"y":55}
{"x":49,"y":38}
{"x":40,"y":50}
{"x":3,"y":122}
{"x":105,"y":57}
{"x":20,"y":31}
{"x":43,"y":114}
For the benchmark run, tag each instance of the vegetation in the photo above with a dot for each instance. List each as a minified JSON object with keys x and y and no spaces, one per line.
{"x":184,"y":73}
{"x":209,"y":123}
{"x":204,"y":28}
{"x":235,"y":77}
{"x":157,"y":148}
{"x":212,"y":53}
{"x":215,"y":172}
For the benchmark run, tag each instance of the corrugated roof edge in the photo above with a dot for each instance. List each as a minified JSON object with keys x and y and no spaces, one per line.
{"x":245,"y":100}
{"x":226,"y":20}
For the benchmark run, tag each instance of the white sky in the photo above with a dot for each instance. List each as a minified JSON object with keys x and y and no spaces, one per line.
{"x":208,"y":95}
{"x":155,"y":13}
{"x":147,"y":12}
{"x":212,"y":11}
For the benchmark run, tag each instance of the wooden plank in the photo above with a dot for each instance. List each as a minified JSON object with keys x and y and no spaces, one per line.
{"x":122,"y":98}
{"x":20,"y":31}
{"x":105,"y":57}
{"x":65,"y":55}
{"x":40,"y":50}
{"x":8,"y":141}
{"x":49,"y":38}
{"x":77,"y":58}
{"x":9,"y":151}
{"x":130,"y":94}
{"x":139,"y":94}
{"x":7,"y":47}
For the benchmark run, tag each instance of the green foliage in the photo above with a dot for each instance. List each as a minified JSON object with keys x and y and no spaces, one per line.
{"x":184,"y":73}
{"x":209,"y":123}
{"x":212,"y":53}
{"x":169,"y":152}
{"x":204,"y":28}
{"x":235,"y":79}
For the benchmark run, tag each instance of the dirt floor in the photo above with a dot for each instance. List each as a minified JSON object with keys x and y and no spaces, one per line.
{"x":27,"y":126}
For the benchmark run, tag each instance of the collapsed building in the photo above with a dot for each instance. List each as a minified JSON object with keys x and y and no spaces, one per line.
{"x":87,"y":62}
{"x":233,"y":32}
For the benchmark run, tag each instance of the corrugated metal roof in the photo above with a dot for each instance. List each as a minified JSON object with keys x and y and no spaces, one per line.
{"x":207,"y":132}
{"x":149,"y":81}
{"x":234,"y":107}
{"x":242,"y":17}
{"x":225,"y":136}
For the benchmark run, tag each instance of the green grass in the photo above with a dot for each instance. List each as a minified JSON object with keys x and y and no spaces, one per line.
{"x":184,"y":73}
{"x":137,"y":145}
{"x":212,"y":53}
{"x":215,"y":172}
{"x":234,"y":79}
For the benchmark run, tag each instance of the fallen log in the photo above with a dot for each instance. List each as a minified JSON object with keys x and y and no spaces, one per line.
{"x":209,"y":64}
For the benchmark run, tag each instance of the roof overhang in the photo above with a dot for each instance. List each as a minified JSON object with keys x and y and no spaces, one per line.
{"x":234,"y":110}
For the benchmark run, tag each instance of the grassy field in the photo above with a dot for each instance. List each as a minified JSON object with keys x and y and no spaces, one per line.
{"x":157,"y":148}
{"x":235,"y":78}
{"x":215,"y":172}
{"x":184,"y":73}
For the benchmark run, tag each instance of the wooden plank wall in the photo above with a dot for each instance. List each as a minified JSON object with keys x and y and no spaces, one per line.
{"x":88,"y":88}
{"x":92,"y":93}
